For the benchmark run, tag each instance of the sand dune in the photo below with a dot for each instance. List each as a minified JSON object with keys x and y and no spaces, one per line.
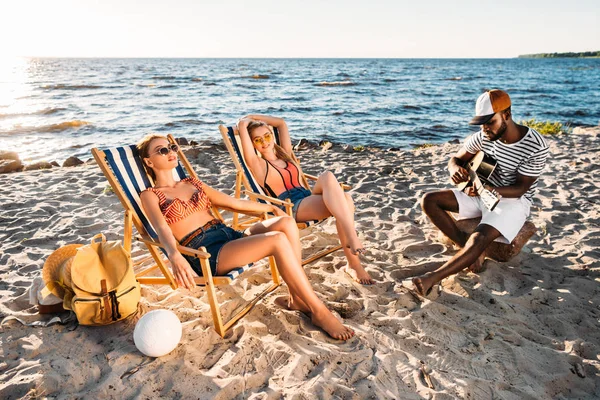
{"x":524,"y":329}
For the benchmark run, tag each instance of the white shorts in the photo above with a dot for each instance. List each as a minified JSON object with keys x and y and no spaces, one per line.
{"x":508,"y":216}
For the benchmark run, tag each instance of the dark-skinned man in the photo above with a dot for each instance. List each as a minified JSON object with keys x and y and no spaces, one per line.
{"x":521,"y":154}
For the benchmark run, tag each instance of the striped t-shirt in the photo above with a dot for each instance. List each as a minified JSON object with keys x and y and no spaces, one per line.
{"x":526,"y":157}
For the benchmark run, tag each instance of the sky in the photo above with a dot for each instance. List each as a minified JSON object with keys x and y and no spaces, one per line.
{"x":296,"y":29}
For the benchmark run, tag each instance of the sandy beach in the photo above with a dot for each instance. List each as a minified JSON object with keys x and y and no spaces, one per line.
{"x":528,"y":328}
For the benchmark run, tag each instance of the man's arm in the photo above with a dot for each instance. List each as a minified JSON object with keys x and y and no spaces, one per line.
{"x":527,"y":174}
{"x":456,"y":164}
{"x":520,"y":187}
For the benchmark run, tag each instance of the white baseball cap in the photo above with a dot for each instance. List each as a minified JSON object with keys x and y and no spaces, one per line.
{"x":488,"y":104}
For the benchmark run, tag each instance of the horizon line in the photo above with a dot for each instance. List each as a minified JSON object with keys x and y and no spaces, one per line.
{"x":269,"y":58}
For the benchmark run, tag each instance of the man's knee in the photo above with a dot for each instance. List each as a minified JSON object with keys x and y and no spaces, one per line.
{"x":429,"y":201}
{"x":442,"y":199}
{"x":479,"y":240}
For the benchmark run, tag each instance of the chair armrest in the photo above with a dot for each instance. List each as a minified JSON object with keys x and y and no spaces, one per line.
{"x":311,"y":177}
{"x":254,"y":196}
{"x":314,"y":178}
{"x":183,"y":250}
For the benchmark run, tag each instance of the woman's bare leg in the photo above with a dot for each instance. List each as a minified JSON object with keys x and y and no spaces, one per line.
{"x":336,"y":203}
{"x":357,"y":271}
{"x":286,"y":225}
{"x":253,"y":248}
{"x":315,"y":208}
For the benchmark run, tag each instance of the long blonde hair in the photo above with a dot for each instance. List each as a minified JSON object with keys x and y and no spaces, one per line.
{"x":279,"y":151}
{"x":143,"y":147}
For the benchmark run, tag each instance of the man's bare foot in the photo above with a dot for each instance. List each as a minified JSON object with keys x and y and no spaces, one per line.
{"x":288,"y":303}
{"x":477,"y":266}
{"x":324,"y":319}
{"x":359,"y":275}
{"x":423,"y":284}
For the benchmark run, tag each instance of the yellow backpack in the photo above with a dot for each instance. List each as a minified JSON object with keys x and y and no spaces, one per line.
{"x":104,"y":288}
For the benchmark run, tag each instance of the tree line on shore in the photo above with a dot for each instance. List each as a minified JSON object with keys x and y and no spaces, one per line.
{"x":562,"y":55}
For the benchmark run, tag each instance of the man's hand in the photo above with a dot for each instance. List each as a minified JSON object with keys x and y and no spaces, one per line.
{"x":458,"y":174}
{"x":471,"y":191}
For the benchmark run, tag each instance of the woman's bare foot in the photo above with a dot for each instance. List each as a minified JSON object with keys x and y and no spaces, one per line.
{"x":359,"y":275}
{"x":291,"y":304}
{"x":477,"y":266}
{"x":324,"y":319}
{"x":423,"y":284}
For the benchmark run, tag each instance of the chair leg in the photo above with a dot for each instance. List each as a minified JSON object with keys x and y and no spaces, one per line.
{"x":163,"y":267}
{"x":215,"y":309}
{"x":212,"y":295}
{"x":321,"y":254}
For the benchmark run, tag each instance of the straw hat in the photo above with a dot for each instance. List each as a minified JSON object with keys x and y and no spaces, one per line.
{"x":57,"y":268}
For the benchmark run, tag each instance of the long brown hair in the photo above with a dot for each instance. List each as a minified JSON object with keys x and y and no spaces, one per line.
{"x":279,"y":151}
{"x":143,"y":147}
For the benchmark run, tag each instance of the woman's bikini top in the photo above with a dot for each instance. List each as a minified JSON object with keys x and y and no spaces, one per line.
{"x":290,"y":178}
{"x":174,"y":210}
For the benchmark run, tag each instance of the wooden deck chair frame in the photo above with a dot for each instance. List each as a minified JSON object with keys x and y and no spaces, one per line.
{"x":246,"y":184}
{"x":134,"y":216}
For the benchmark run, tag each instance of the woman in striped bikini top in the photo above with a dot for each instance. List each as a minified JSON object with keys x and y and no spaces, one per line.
{"x":326,"y":199}
{"x":179,"y":210}
{"x":174,"y":210}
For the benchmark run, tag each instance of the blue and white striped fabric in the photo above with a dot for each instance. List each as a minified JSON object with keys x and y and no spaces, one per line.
{"x":127,"y":167}
{"x":237,"y":146}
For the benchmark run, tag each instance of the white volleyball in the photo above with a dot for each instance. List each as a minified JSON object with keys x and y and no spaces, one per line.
{"x":157,"y":333}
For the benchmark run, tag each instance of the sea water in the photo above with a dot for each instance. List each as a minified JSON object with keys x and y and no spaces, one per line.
{"x":54,"y":108}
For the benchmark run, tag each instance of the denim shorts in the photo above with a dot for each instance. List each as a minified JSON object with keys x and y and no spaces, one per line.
{"x":213,"y":239}
{"x":296,"y":195}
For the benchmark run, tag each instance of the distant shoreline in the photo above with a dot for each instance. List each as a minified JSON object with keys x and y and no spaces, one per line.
{"x":583,"y":54}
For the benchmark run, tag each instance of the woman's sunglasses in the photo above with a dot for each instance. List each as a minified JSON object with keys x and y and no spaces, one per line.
{"x":261,"y":140}
{"x":163,"y":151}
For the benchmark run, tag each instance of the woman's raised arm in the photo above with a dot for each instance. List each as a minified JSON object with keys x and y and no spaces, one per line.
{"x":247,"y":147}
{"x":284,"y":135}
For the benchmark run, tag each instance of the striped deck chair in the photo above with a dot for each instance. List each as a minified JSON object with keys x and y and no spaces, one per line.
{"x":246,"y":183}
{"x":124,"y":171}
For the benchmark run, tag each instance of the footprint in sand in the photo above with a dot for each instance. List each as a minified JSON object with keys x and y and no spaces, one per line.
{"x":423,"y":250}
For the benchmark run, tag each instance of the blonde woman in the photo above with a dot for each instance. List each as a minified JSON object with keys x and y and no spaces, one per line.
{"x":180,"y":213}
{"x":279,"y":176}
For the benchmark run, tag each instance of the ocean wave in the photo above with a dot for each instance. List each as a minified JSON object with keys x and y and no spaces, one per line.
{"x":165,"y":78}
{"x":62,"y":126}
{"x":45,"y":111}
{"x":336,"y":83}
{"x":294,"y":98}
{"x":61,"y":86}
{"x":183,"y":122}
{"x":454,"y":78}
{"x":197,"y":79}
